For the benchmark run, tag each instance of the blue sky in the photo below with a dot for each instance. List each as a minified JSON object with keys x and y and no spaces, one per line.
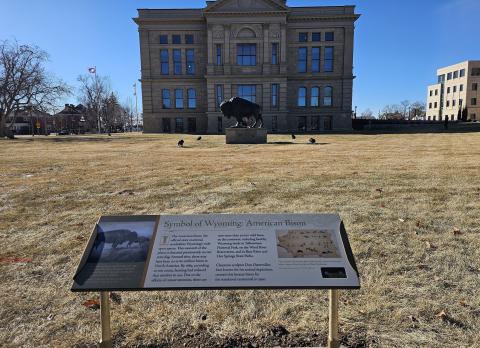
{"x":399,"y":44}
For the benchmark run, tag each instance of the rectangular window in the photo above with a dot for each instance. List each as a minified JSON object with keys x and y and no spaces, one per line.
{"x":315,"y":123}
{"x":460,"y":102}
{"x":177,"y":61}
{"x":248,"y":92}
{"x":192,"y":125}
{"x":328,"y":63}
{"x":274,"y":123}
{"x":176,"y":39}
{"x":435,"y":105}
{"x":218,"y":54}
{"x":302,"y":37}
{"x":178,"y":125}
{"x":449,"y":76}
{"x":455,"y":74}
{"x":454,"y":102}
{"x":167,"y":104}
{"x":189,"y":39}
{"x":220,"y":124}
{"x":164,"y":39}
{"x":462,"y":73}
{"x":448,"y":103}
{"x":302,"y":59}
{"x":473,"y":101}
{"x":247,"y":54}
{"x":431,"y":93}
{"x":316,"y":37}
{"x":441,"y":78}
{"x":329,"y":36}
{"x":179,"y":98}
{"x":166,"y":125}
{"x":315,"y":97}
{"x":275,"y":88}
{"x":475,"y":71}
{"x":454,"y":89}
{"x":436,"y":92}
{"x":274,"y":53}
{"x":328,"y":96}
{"x":315,"y":59}
{"x":448,"y":90}
{"x":302,"y":97}
{"x":164,"y":62}
{"x":429,"y":105}
{"x":461,"y":88}
{"x":192,"y":98}
{"x":218,"y":95}
{"x":474,"y":86}
{"x":190,"y":62}
{"x":302,"y":123}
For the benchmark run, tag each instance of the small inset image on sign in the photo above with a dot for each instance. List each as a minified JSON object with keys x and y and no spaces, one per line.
{"x":306,"y":244}
{"x":334,"y":272}
{"x":121,"y":244}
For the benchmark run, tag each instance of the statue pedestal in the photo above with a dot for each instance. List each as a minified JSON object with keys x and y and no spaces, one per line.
{"x":246,"y":135}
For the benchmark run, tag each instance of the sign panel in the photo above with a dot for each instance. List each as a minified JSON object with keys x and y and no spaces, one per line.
{"x":218,"y":252}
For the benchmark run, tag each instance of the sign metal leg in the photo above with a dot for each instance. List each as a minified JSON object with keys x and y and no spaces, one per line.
{"x":106,"y":340}
{"x":333,"y":340}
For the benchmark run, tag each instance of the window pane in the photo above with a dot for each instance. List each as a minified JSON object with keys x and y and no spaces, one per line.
{"x":275,"y":88}
{"x":315,"y":96}
{"x":328,"y":64}
{"x":192,"y":98}
{"x":166,"y":99}
{"x":302,"y":96}
{"x":329,"y":36}
{"x":164,"y":39}
{"x":177,"y":62}
{"x":218,"y":54}
{"x":176,"y":39}
{"x":219,"y":95}
{"x":248,"y":92}
{"x":316,"y":59}
{"x":327,"y":96}
{"x":303,"y":37}
{"x":316,"y":37}
{"x":246,"y":54}
{"x":164,"y":62}
{"x":191,"y":62}
{"x":178,"y":124}
{"x":274,"y":53}
{"x":179,"y":98}
{"x":302,"y":59}
{"x":189,"y":39}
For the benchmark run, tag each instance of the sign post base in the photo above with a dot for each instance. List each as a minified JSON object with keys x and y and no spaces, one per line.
{"x":106,"y":340}
{"x":333,"y":340}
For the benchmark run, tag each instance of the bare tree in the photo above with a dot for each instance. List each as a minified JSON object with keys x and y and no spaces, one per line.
{"x":24,"y":83}
{"x":405,"y":109}
{"x":418,"y":109}
{"x":367,"y":114}
{"x":94,"y":92}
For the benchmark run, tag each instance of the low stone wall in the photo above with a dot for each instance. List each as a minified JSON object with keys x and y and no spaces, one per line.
{"x":414,"y":126}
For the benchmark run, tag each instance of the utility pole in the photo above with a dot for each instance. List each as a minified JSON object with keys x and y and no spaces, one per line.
{"x":94,"y":72}
{"x":136,"y":101}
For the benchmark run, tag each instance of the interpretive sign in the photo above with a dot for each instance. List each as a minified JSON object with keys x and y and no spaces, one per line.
{"x":217,"y":252}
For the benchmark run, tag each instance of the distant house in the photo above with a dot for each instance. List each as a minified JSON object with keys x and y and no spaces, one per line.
{"x":72,"y":119}
{"x":30,"y":121}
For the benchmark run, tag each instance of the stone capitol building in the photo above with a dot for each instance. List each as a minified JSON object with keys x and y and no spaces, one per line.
{"x":296,"y":62}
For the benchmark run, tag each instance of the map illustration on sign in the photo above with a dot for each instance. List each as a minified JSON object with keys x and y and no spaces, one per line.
{"x":306,"y":243}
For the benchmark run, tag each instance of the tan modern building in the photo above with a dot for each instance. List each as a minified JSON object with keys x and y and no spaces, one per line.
{"x":296,"y":62}
{"x":457,"y":92}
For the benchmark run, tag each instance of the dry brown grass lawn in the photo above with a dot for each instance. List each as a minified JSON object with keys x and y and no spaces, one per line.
{"x":412,"y":265}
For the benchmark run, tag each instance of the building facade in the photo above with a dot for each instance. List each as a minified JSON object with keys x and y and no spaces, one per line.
{"x":296,"y":62}
{"x":456,"y":94}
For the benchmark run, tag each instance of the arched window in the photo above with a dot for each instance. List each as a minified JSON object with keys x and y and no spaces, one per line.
{"x":327,"y":96}
{"x":302,"y":96}
{"x":315,"y":98}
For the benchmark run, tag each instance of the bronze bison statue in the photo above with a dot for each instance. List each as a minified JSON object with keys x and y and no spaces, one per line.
{"x":243,"y":110}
